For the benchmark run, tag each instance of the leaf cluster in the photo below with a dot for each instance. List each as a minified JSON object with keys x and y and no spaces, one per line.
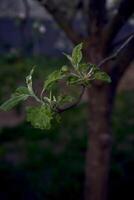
{"x":77,"y":73}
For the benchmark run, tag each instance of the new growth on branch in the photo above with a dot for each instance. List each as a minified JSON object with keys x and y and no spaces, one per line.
{"x":50,"y":103}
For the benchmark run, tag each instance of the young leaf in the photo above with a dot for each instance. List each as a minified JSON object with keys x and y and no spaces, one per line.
{"x":22,"y":90}
{"x":52,"y":79}
{"x":29,"y":81}
{"x":72,"y":80}
{"x":103,"y":76}
{"x":77,"y":54}
{"x":68,"y":57}
{"x":94,"y":68}
{"x":84,"y":67}
{"x":64,"y":99}
{"x":64,"y":69}
{"x":40,"y":117}
{"x":21,"y":94}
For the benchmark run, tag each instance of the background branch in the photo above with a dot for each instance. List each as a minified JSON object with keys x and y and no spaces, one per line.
{"x":114,"y":56}
{"x":61,"y":19}
{"x":122,"y":62}
{"x":125,"y":10}
{"x":122,"y":40}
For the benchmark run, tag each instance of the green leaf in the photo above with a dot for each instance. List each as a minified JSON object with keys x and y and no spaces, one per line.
{"x":64,"y":69}
{"x":29,"y":82}
{"x":64,"y":99}
{"x":95,"y":68}
{"x":40,"y":117}
{"x":22,"y":90}
{"x":21,"y":94}
{"x":68,"y":57}
{"x":53,"y":78}
{"x":73,"y":80}
{"x":103,"y":76}
{"x":77,"y":54}
{"x":84,"y":67}
{"x":57,"y":117}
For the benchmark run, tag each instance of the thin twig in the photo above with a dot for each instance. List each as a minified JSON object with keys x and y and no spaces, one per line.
{"x":67,"y":107}
{"x":117,"y":43}
{"x":114,"y":56}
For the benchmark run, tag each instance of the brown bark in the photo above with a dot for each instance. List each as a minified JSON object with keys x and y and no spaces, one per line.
{"x":99,"y":142}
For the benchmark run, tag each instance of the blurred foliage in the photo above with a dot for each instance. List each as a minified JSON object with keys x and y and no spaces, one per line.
{"x":122,"y":165}
{"x":53,"y":161}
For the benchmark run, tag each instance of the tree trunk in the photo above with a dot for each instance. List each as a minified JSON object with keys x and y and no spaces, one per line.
{"x":99,"y":144}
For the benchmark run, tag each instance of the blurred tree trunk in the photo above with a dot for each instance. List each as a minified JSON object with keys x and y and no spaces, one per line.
{"x":99,"y":142}
{"x":98,"y":44}
{"x":101,"y":99}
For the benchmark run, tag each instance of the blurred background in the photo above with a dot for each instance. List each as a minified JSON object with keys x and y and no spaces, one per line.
{"x":49,"y":165}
